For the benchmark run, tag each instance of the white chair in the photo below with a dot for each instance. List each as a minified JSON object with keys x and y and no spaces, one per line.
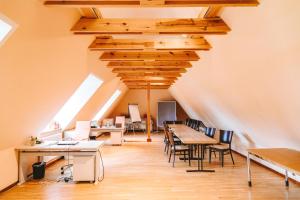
{"x":81,"y":132}
{"x":108,"y":122}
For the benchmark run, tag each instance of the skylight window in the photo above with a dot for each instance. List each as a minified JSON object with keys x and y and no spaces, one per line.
{"x":75,"y":103}
{"x":6,"y":28}
{"x":107,"y":105}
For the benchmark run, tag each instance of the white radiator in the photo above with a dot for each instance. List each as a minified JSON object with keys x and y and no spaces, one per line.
{"x":50,"y":136}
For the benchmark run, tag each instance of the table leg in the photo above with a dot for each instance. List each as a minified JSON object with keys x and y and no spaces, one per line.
{"x":200,"y":161}
{"x":286,"y":178}
{"x":22,"y":172}
{"x":249,"y":171}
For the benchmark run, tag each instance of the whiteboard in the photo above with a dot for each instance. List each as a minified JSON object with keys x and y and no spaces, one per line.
{"x":134,"y":112}
{"x":166,"y":111}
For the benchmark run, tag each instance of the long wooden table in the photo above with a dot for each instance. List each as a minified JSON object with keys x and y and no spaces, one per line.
{"x":191,"y":137}
{"x":288,"y":159}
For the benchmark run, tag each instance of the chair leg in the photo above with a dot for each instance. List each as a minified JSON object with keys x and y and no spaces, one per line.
{"x":184,"y":156}
{"x":174,"y":158}
{"x":209,"y":155}
{"x":215,"y":154}
{"x":170,"y":155}
{"x":222,"y":158}
{"x":231,"y":157}
{"x":190,"y":152}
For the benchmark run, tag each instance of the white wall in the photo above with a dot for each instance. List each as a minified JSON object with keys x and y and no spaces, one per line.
{"x":41,"y":65}
{"x":249,"y":82}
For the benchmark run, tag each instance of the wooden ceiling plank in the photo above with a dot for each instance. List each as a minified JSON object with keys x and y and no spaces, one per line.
{"x":143,"y":78}
{"x":156,"y":44}
{"x":124,"y":75}
{"x":148,"y":70}
{"x":151,"y":26}
{"x":150,"y":81}
{"x":149,"y":64}
{"x":151,"y":87}
{"x":90,"y":13}
{"x":149,"y":56}
{"x":157,"y":3}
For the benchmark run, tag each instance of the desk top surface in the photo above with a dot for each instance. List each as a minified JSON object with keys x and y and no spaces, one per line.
{"x":190,"y":136}
{"x":53,"y":146}
{"x":283,"y":157}
{"x":108,"y":129}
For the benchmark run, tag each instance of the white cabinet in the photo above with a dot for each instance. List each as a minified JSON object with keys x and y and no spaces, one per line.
{"x":83,"y":168}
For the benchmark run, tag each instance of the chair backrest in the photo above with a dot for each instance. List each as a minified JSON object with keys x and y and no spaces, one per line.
{"x":120,"y":120}
{"x":178,"y":122}
{"x":171,"y":137}
{"x":82,"y":130}
{"x":166,"y":128}
{"x":226,"y":136}
{"x":210,"y":132}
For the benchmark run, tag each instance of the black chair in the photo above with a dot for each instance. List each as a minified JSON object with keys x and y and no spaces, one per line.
{"x":177,"y":148}
{"x":178,"y":122}
{"x":224,"y":146}
{"x":210,"y":132}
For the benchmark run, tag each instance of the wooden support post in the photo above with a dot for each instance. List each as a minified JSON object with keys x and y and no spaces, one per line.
{"x":148,"y":114}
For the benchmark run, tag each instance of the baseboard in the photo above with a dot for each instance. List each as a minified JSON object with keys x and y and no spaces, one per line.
{"x":48,"y":164}
{"x":260,"y":164}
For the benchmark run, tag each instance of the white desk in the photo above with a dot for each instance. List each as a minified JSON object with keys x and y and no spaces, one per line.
{"x":50,"y":148}
{"x":116,"y":134}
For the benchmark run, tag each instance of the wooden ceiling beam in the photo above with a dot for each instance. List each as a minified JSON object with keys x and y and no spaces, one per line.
{"x":149,"y":64}
{"x":148,"y":70}
{"x":151,"y":26}
{"x":144,"y":78}
{"x":103,"y":44}
{"x":145,"y":83}
{"x":167,"y":74}
{"x":147,"y":3}
{"x":159,"y":87}
{"x":149,"y":56}
{"x":150,"y":81}
{"x":90,"y":13}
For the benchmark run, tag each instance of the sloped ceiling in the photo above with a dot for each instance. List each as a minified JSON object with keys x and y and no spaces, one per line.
{"x":249,"y":82}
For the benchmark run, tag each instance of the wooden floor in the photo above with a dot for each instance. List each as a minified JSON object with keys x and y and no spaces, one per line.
{"x":139,"y":170}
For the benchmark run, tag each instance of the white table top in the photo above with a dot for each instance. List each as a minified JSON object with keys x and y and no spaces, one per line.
{"x":53,"y":146}
{"x":190,"y":136}
{"x":108,"y":129}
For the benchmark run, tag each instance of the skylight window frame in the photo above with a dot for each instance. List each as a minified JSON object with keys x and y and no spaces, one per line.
{"x":56,"y":123}
{"x":13,"y":26}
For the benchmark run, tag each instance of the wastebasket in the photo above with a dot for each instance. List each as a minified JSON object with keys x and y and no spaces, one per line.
{"x":38,"y":170}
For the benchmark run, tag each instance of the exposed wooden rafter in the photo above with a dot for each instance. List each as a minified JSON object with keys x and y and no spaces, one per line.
{"x":149,"y":56}
{"x":91,"y":13}
{"x":149,"y":64}
{"x":148,"y":70}
{"x":152,"y":87}
{"x":102,"y":44}
{"x":151,"y":26}
{"x":147,"y":3}
{"x":156,"y":74}
{"x":148,"y":78}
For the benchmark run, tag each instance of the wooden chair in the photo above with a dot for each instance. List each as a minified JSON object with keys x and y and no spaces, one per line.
{"x":166,"y":139}
{"x":177,"y":149}
{"x":224,"y":146}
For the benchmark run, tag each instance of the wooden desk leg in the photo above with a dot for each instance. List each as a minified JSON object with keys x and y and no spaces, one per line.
{"x":249,"y":171}
{"x":22,"y":172}
{"x":286,"y":178}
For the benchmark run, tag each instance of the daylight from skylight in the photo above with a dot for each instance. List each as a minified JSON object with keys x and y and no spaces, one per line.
{"x":107,"y":105}
{"x":75,"y":103}
{"x":5,"y":28}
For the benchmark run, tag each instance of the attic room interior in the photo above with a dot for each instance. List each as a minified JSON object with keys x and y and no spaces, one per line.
{"x":149,"y":99}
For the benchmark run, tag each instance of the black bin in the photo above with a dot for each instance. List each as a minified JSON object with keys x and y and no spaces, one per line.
{"x":38,"y":169}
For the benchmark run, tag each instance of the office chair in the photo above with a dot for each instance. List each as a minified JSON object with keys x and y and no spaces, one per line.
{"x":82,"y":132}
{"x":224,"y":146}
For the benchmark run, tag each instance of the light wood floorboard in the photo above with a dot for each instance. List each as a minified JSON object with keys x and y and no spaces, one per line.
{"x":140,"y":170}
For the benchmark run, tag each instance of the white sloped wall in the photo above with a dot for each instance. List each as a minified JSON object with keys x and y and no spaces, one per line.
{"x":249,"y":82}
